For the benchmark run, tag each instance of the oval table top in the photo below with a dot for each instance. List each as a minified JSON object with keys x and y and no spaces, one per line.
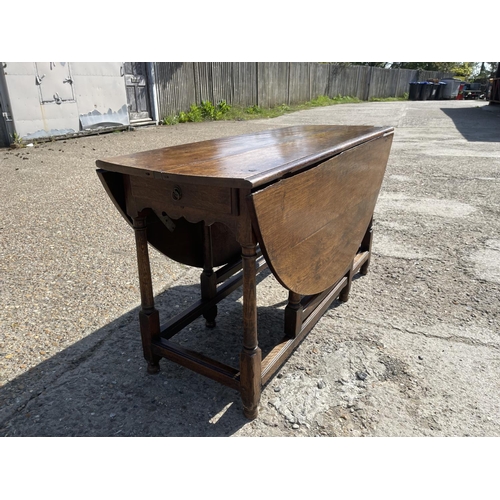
{"x":311,"y":225}
{"x":249,"y":160}
{"x":312,"y":190}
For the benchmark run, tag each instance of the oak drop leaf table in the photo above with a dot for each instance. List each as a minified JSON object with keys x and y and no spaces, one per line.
{"x":299,"y":200}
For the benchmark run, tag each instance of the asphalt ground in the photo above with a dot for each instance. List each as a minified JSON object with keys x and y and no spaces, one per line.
{"x":414,"y":352}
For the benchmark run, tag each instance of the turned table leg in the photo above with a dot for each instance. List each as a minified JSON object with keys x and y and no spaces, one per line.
{"x":208,"y":277}
{"x":149,"y":318}
{"x":293,"y":315}
{"x":366,"y":246}
{"x":344,"y":294}
{"x":251,"y":356}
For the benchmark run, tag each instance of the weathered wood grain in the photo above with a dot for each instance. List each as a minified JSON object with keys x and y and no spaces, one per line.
{"x":311,"y":225}
{"x":249,"y":160}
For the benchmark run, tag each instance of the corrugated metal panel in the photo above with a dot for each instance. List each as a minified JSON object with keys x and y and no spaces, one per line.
{"x":44,"y":103}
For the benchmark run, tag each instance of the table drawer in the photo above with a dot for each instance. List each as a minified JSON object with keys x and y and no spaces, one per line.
{"x":161,"y":195}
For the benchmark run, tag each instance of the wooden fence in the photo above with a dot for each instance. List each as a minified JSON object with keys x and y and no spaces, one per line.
{"x":268,"y":84}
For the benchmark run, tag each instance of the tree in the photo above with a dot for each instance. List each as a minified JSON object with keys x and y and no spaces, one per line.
{"x":374,"y":64}
{"x":462,"y":70}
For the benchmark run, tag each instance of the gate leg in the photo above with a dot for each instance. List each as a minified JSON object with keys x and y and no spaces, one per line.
{"x":149,"y":317}
{"x":208,"y":277}
{"x":251,"y":355}
{"x":344,"y":294}
{"x":366,"y":246}
{"x":293,"y":315}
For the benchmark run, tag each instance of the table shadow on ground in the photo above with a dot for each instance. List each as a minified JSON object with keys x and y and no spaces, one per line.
{"x":476,"y":124}
{"x":99,"y":385}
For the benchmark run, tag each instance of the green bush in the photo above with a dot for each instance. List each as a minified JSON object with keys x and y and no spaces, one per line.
{"x":183,"y":117}
{"x":170,"y":120}
{"x":224,"y":107}
{"x":207,"y":111}
{"x":253,"y":110}
{"x":195,"y":114}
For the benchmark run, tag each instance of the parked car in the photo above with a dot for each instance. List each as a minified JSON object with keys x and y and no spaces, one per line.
{"x":474,"y":91}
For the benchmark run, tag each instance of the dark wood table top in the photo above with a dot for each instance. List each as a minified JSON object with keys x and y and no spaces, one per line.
{"x":249,"y":160}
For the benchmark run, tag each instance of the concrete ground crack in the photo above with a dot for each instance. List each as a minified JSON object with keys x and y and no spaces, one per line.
{"x":453,"y":338}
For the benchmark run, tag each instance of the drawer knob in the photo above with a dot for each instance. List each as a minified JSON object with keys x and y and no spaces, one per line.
{"x":177,"y":193}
